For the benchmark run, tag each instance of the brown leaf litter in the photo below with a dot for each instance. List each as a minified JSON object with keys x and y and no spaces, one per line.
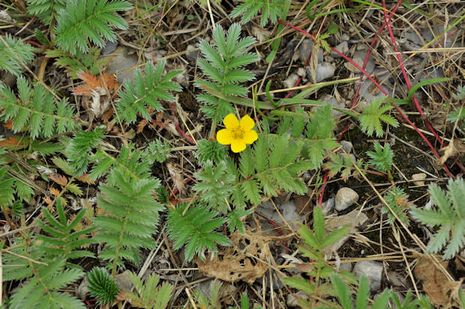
{"x":246,"y":260}
{"x":441,"y":291}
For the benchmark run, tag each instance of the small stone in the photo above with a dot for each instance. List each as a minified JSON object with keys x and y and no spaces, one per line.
{"x":291,"y":80}
{"x":324,"y":71}
{"x":359,"y":57}
{"x":122,"y":63}
{"x":290,"y":214}
{"x":346,"y":267}
{"x":343,"y":47}
{"x":334,"y":103}
{"x":347,"y":146}
{"x":328,"y":205}
{"x":109,"y":48}
{"x":293,"y":299}
{"x":372,"y":270}
{"x":123,"y":281}
{"x":192,"y":53}
{"x":305,"y":50}
{"x":418,"y":179}
{"x":82,"y":289}
{"x":345,"y":198}
{"x":301,"y":72}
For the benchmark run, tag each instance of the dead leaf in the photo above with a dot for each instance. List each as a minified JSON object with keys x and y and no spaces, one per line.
{"x":85,"y":178}
{"x":440,"y":290}
{"x":13,"y":142}
{"x":55,"y":192}
{"x":59,"y":179}
{"x":176,"y":176}
{"x":141,"y":125}
{"x":9,"y":124}
{"x":454,"y":148}
{"x":105,"y":83}
{"x":97,"y":91}
{"x":352,"y":220}
{"x":245,"y":260}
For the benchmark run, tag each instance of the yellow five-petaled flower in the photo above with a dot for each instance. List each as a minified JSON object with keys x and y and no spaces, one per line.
{"x":238,"y":133}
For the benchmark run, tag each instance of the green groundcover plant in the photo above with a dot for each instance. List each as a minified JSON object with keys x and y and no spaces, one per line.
{"x":56,"y":160}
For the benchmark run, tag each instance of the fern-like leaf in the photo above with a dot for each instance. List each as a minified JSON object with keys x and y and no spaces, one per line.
{"x":131,"y":162}
{"x":157,"y":151}
{"x":79,"y":150}
{"x":194,"y":229}
{"x":449,"y":216}
{"x":129,"y":219}
{"x":83,"y":22}
{"x":320,"y":137}
{"x":45,"y":10}
{"x":89,"y":61}
{"x":102,"y":286}
{"x":146,"y":91}
{"x":35,"y":110}
{"x":215,"y":186}
{"x":148,"y":294}
{"x":210,"y":151}
{"x":223,"y":63}
{"x":42,"y":290}
{"x":269,"y":10}
{"x":63,"y":239}
{"x":399,"y":205}
{"x":15,"y":54}
{"x":382,"y":157}
{"x":374,"y":115}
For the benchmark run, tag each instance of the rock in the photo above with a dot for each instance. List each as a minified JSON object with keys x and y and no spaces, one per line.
{"x":5,"y":17}
{"x":291,"y":80}
{"x":358,"y":58}
{"x":261,"y":34}
{"x":290,"y":214}
{"x":288,"y":211}
{"x":347,"y":146}
{"x":343,"y":47}
{"x":192,"y":53}
{"x":372,"y":270}
{"x":301,"y":72}
{"x":324,"y":71}
{"x":305,"y":49}
{"x":328,"y":205}
{"x":334,"y":103}
{"x":293,"y":299}
{"x":122,"y":64}
{"x":418,"y":179}
{"x":345,"y":198}
{"x":109,"y":48}
{"x":124,"y":281}
{"x":346,"y":267}
{"x":82,"y":289}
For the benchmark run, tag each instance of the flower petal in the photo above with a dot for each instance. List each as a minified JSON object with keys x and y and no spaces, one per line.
{"x":250,"y":137}
{"x":237,"y":145}
{"x":247,"y":123}
{"x":231,"y":121}
{"x":224,"y":136}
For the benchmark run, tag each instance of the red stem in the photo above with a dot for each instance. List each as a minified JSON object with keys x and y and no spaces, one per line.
{"x":405,"y":75}
{"x":364,"y":72}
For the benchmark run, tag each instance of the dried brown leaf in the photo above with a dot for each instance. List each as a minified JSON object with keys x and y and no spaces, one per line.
{"x":176,"y":176}
{"x":105,"y":84}
{"x":454,"y":148}
{"x":59,"y":179}
{"x":245,"y":260}
{"x":440,"y":290}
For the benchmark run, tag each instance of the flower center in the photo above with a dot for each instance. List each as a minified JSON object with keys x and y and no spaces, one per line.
{"x":238,"y":133}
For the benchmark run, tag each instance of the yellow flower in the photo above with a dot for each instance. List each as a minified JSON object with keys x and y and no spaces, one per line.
{"x":238,"y":133}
